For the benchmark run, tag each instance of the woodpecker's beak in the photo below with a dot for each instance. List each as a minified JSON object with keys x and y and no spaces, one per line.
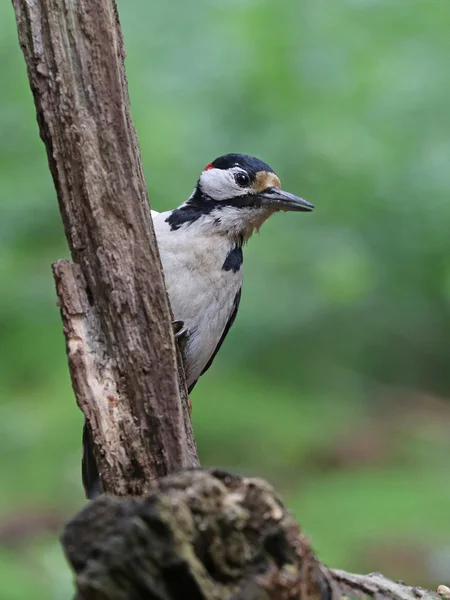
{"x":279,"y":200}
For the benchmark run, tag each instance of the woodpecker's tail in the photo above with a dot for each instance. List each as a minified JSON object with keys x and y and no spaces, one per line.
{"x":89,"y":471}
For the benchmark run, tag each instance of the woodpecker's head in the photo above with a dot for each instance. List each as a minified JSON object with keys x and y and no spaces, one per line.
{"x":236,"y":193}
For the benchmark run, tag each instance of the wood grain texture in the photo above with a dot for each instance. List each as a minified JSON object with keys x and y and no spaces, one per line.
{"x":113,"y":302}
{"x":207,"y":535}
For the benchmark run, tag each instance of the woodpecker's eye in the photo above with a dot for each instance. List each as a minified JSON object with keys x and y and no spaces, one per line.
{"x":242,"y":179}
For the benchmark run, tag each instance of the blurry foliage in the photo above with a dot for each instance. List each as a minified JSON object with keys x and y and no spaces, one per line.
{"x":343,"y":310}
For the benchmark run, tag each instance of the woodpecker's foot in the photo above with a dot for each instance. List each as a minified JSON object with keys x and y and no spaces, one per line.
{"x":179,"y":330}
{"x":181,"y":334}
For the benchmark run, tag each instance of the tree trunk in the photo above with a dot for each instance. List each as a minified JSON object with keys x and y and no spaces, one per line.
{"x":113,"y":302}
{"x":195,"y":535}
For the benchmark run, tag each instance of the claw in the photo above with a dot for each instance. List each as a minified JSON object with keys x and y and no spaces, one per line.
{"x":180,"y":332}
{"x":177,"y":326}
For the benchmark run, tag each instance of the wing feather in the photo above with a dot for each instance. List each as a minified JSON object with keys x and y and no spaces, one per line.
{"x":230,"y":322}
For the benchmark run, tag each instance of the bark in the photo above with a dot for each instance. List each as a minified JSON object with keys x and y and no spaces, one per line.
{"x":206,"y":535}
{"x":113,"y":302}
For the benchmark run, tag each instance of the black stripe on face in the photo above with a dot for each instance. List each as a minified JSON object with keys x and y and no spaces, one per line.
{"x":200,"y":205}
{"x":187,"y":214}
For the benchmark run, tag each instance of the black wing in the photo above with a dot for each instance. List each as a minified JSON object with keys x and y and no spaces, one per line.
{"x":237,"y":299}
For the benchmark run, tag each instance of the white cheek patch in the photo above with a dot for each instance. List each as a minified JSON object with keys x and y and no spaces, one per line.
{"x":219,"y":184}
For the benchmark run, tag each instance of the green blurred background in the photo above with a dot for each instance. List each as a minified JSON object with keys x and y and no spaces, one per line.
{"x":334,"y":382}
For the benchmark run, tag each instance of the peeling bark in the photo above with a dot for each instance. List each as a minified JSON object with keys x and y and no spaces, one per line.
{"x":113,"y":302}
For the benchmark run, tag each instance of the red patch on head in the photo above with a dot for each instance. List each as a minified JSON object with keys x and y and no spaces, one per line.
{"x":210,"y":166}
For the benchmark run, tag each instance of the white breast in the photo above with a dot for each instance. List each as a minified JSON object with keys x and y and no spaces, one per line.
{"x":201,"y":292}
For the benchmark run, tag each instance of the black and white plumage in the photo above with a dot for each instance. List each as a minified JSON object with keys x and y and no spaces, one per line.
{"x":200,"y":245}
{"x":201,"y":249}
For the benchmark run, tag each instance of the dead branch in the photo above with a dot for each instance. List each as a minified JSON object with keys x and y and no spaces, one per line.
{"x":113,"y":302}
{"x":206,"y":535}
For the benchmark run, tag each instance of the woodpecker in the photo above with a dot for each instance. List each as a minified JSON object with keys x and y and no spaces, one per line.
{"x":200,"y":245}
